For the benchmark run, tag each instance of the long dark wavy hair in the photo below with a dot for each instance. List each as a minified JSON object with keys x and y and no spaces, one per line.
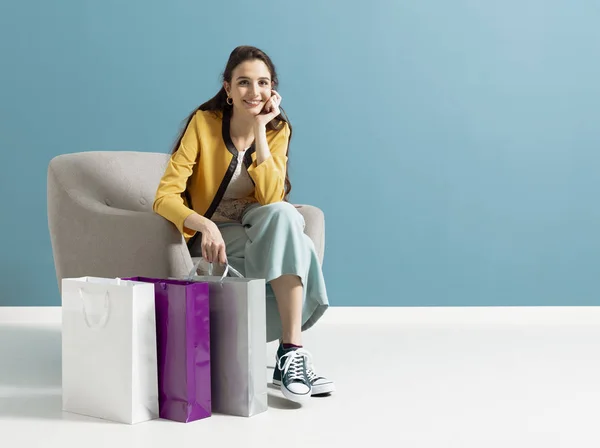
{"x":218,"y":103}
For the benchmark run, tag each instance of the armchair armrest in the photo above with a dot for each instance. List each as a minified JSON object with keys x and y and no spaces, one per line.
{"x":315,"y":227}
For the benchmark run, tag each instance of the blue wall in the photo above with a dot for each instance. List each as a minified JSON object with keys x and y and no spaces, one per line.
{"x":456,"y":144}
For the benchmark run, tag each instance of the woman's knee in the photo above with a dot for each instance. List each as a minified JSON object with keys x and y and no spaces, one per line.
{"x":284,"y":210}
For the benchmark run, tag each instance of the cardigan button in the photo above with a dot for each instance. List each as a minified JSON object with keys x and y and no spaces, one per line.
{"x":143,"y":201}
{"x":107,"y":202}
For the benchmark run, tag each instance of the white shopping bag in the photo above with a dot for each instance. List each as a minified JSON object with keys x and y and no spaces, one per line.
{"x":109,"y":364}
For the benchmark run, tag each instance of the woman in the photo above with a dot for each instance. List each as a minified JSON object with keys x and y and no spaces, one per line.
{"x":226,"y":187}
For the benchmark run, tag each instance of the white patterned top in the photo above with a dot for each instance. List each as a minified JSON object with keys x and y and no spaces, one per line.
{"x":237,"y":196}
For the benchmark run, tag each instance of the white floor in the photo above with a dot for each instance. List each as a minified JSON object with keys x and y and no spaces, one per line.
{"x":405,"y":378}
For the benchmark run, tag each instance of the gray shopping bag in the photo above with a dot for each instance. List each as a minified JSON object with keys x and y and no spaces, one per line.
{"x":238,"y":330}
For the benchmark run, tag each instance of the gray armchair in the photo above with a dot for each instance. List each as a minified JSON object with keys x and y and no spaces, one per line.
{"x":101,"y":220}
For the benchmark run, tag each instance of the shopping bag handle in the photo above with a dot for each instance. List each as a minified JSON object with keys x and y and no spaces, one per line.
{"x":228,"y":268}
{"x":105,"y":315}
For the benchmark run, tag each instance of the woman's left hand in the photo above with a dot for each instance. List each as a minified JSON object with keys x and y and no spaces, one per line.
{"x":270,"y":110}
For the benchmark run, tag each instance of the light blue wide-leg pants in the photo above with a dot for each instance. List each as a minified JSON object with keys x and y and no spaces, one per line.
{"x":270,"y":242}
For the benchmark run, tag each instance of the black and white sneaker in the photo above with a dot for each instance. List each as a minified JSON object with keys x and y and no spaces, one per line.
{"x":320,"y":384}
{"x":291,"y":374}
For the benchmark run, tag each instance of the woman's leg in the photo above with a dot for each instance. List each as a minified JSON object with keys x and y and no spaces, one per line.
{"x":289,"y":294}
{"x":288,"y":289}
{"x":279,"y":251}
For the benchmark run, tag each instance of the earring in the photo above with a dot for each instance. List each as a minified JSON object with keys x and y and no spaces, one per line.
{"x":229,"y":98}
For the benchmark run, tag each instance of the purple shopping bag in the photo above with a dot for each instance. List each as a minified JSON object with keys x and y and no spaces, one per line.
{"x":183,"y":348}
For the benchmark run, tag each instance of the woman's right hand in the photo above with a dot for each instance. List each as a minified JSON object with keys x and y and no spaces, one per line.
{"x":213,"y":246}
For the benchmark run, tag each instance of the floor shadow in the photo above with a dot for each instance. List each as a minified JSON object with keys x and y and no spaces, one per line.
{"x":279,"y":402}
{"x":41,"y":407}
{"x":31,"y":356}
{"x":47,"y":407}
{"x":325,"y":395}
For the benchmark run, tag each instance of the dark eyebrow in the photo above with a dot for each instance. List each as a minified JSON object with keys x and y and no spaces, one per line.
{"x":245,"y":77}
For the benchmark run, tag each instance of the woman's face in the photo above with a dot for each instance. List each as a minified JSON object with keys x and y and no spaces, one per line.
{"x":250,"y":86}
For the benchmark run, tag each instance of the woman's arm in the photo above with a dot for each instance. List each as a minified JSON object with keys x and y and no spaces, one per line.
{"x":196,"y":222}
{"x":269,"y":170}
{"x":260,"y":144}
{"x":168,"y":201}
{"x":213,"y":246}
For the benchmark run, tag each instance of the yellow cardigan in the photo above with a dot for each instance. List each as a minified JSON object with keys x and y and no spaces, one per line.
{"x":199,"y":172}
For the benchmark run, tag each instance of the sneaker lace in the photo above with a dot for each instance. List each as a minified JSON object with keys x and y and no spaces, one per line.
{"x":310,"y":372}
{"x":293,"y":364}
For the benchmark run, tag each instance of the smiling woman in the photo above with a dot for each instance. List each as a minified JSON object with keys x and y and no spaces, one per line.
{"x":226,"y":188}
{"x":252,"y":86}
{"x":255,"y":80}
